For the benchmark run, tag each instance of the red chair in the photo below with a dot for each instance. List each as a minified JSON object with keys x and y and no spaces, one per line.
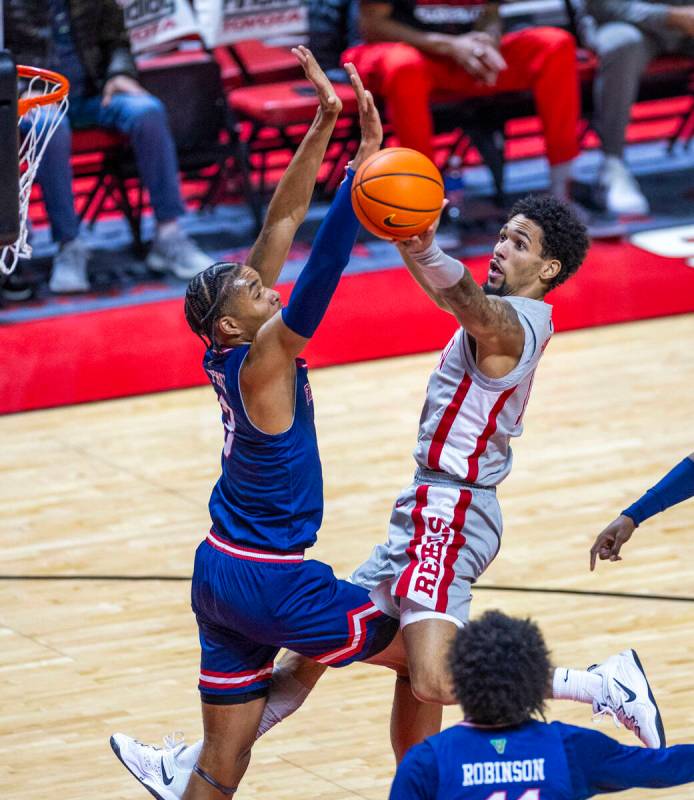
{"x":277,"y":116}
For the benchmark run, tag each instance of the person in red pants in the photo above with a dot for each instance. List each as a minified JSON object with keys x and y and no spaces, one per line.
{"x":404,"y":59}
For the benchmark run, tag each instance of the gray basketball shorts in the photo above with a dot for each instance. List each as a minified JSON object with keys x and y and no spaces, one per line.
{"x":441,"y":537}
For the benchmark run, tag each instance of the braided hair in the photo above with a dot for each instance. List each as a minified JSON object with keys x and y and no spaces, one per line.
{"x":205,"y":298}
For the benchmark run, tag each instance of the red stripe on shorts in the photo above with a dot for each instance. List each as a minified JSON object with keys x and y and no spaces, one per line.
{"x":234,"y":680}
{"x":446,"y":422}
{"x":453,"y":548}
{"x":418,"y":519}
{"x":487,"y":433}
{"x":356,"y":636}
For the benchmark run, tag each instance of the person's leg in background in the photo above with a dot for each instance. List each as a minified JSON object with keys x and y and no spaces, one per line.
{"x":54,"y":175}
{"x":624,"y":52}
{"x":142,"y":117}
{"x":401,"y":75}
{"x":543,"y":60}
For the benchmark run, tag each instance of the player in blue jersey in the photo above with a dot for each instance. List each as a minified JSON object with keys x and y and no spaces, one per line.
{"x":252,"y":591}
{"x":501,"y":672}
{"x":675,"y":487}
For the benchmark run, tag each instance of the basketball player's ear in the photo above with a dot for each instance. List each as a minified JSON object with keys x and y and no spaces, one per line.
{"x":550,"y":269}
{"x":228,"y":326}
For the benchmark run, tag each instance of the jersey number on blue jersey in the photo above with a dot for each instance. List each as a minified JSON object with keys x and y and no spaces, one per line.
{"x":229,"y":424}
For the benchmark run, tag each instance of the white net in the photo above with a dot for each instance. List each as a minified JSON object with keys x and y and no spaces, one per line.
{"x":36,"y":126}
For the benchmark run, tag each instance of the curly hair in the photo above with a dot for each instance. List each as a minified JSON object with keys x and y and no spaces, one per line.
{"x":564,"y":236}
{"x":206,"y":296}
{"x":501,"y":669}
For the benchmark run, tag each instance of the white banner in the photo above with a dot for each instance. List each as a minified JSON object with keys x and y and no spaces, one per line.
{"x":228,"y":21}
{"x":153,"y":23}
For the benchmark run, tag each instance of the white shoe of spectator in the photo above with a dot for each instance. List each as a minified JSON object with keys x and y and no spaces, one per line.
{"x":177,"y":253}
{"x":69,"y":274}
{"x":621,"y":192}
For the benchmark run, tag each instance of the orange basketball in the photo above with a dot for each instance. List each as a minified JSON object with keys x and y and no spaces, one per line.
{"x":397,"y":193}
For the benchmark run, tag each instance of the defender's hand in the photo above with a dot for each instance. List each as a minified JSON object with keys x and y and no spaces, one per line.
{"x":330,"y":103}
{"x":610,"y":541}
{"x":369,"y":119}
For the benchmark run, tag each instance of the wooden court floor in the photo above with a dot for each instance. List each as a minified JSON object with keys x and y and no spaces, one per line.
{"x":115,"y":495}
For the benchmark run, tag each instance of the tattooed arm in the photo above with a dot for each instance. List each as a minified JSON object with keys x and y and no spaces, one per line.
{"x":493,"y":323}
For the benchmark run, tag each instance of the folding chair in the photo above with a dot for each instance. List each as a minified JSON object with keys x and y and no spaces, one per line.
{"x":204,"y":129}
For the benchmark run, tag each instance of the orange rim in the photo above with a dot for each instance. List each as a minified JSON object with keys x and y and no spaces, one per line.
{"x":62,"y":87}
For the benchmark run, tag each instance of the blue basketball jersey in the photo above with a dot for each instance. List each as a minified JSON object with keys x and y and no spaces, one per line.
{"x":533,"y":761}
{"x":270,"y":492}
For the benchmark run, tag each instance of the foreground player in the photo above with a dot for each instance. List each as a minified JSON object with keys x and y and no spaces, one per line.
{"x":445,"y":529}
{"x":501,"y":670}
{"x":675,"y":487}
{"x":252,"y":591}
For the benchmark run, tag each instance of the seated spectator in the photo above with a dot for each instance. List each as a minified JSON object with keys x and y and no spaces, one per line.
{"x":405,"y":59}
{"x":333,"y":26}
{"x":629,"y":34}
{"x":86,"y":41}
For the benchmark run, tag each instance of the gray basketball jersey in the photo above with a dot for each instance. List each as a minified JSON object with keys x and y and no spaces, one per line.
{"x":468,"y":419}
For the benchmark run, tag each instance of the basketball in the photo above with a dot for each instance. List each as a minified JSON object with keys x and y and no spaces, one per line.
{"x":397,"y":193}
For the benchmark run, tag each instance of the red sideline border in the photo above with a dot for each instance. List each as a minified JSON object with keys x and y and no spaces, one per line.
{"x":148,"y":348}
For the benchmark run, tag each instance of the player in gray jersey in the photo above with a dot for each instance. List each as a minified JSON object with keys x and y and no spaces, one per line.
{"x":445,"y":528}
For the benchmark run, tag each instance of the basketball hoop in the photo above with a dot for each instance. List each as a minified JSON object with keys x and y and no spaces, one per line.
{"x":43,"y":104}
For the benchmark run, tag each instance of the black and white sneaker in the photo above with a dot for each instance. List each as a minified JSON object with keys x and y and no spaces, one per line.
{"x":154,"y":767}
{"x":627,"y":696}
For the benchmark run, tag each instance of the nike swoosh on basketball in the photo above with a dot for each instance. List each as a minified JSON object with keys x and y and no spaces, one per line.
{"x":631,"y":695}
{"x":167,"y":780}
{"x":388,"y":222}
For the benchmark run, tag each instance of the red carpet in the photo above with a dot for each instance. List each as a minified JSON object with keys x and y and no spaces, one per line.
{"x":149,"y":348}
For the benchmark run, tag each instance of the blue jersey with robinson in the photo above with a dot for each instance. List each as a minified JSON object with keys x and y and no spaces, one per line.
{"x":270,"y":492}
{"x":533,"y":761}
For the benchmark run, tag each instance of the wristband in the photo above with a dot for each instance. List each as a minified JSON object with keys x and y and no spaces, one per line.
{"x":441,"y":271}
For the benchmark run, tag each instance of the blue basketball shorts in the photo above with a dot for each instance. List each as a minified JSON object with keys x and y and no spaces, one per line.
{"x":250,"y":603}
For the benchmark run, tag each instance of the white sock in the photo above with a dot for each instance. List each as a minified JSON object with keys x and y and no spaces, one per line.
{"x":167,"y":228}
{"x":576,"y":684}
{"x":188,"y":757}
{"x":286,"y":695}
{"x":559,"y":180}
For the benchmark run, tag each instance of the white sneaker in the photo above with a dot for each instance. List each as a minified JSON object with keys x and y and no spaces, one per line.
{"x":69,"y":273}
{"x":154,"y":767}
{"x":177,"y":253}
{"x":627,"y":696}
{"x":620,"y":191}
